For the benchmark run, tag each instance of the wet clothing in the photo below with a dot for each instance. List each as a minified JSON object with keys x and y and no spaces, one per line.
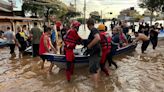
{"x":154,"y":38}
{"x":106,"y":47}
{"x":146,"y":31}
{"x":96,"y":48}
{"x":144,"y":46}
{"x":10,"y":37}
{"x":115,"y":44}
{"x":35,"y":50}
{"x":94,"y":63}
{"x":42,"y":48}
{"x":154,"y":41}
{"x":123,"y":39}
{"x":115,"y":41}
{"x":22,"y":39}
{"x":95,"y":53}
{"x":36,"y":32}
{"x":71,"y":39}
{"x":12,"y":48}
{"x":10,"y":40}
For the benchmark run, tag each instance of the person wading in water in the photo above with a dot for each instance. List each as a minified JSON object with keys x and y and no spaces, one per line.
{"x":94,"y":50}
{"x":145,"y":40}
{"x":46,"y":46}
{"x":71,"y":39}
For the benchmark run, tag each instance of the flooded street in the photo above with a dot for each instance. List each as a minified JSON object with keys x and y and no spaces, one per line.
{"x":136,"y":73}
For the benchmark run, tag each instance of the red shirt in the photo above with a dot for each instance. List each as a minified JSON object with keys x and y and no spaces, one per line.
{"x":58,"y":24}
{"x":42,"y":48}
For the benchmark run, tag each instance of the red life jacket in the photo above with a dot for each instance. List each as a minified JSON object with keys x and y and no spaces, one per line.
{"x":105,"y":40}
{"x":71,"y":39}
{"x":42,"y":49}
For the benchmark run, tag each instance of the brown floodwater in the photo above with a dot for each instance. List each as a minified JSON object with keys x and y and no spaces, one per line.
{"x":136,"y":73}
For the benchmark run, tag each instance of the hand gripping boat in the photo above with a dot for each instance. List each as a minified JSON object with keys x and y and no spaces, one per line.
{"x":80,"y":60}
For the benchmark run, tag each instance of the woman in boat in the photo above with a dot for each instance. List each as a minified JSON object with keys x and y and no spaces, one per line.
{"x":71,"y":39}
{"x":45,"y":46}
{"x":105,"y":46}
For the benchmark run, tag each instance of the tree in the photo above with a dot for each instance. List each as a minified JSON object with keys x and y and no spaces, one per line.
{"x":71,"y":12}
{"x":152,"y":6}
{"x":95,"y":15}
{"x":40,"y":8}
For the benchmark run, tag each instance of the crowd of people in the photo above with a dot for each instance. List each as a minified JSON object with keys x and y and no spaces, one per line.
{"x":100,"y":45}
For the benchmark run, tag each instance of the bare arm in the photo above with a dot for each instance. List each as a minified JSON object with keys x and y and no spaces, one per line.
{"x":94,"y":41}
{"x":156,"y":30}
{"x":136,"y":40}
{"x":55,"y":50}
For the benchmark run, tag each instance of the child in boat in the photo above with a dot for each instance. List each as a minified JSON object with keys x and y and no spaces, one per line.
{"x":71,"y":39}
{"x":46,"y":46}
{"x":105,"y":46}
{"x":142,"y":37}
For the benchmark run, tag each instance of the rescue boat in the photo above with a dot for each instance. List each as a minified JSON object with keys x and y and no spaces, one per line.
{"x":3,"y":43}
{"x":80,"y":59}
{"x":161,"y":35}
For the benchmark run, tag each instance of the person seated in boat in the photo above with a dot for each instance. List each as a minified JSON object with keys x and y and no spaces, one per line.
{"x":71,"y":39}
{"x":123,"y":38}
{"x":142,"y":37}
{"x":105,"y":46}
{"x":46,"y":46}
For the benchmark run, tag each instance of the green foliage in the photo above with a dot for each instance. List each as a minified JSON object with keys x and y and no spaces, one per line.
{"x":151,"y":5}
{"x":95,"y":15}
{"x":42,"y":8}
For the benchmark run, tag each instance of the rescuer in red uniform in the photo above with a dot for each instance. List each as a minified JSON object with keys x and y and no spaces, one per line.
{"x":71,"y":39}
{"x":105,"y":46}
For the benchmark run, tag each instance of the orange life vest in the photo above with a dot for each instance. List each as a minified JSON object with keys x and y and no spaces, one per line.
{"x":105,"y":40}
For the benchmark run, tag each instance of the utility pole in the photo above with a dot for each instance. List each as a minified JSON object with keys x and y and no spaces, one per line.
{"x":75,"y":5}
{"x":84,"y":15}
{"x":101,"y":14}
